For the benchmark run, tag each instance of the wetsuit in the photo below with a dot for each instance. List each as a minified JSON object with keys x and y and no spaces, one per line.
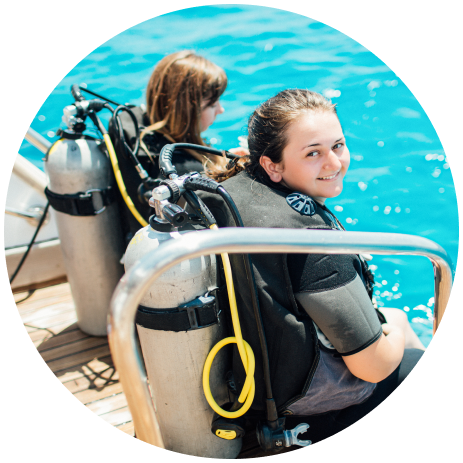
{"x":315,"y":308}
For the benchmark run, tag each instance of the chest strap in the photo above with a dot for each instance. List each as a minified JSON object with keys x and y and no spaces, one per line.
{"x":84,"y":203}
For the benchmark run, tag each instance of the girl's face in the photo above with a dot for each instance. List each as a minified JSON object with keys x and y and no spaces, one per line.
{"x":316,"y":157}
{"x":209,"y":113}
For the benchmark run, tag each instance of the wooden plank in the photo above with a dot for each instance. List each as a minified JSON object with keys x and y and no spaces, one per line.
{"x":96,"y":380}
{"x":72,"y":348}
{"x":40,"y":285}
{"x":117,"y":417}
{"x":94,"y":367}
{"x":37,"y":306}
{"x":63,"y":337}
{"x":43,"y":297}
{"x":128,"y":428}
{"x":77,"y":361}
{"x":63,"y":288}
{"x":41,"y":335}
{"x":52,"y":322}
{"x":91,"y":395}
{"x":35,"y":317}
{"x":43,"y":293}
{"x":108,"y":404}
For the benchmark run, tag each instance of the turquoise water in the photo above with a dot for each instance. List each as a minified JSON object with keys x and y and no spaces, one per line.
{"x":399,"y":180}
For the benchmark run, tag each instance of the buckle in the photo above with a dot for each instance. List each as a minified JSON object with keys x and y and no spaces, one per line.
{"x":91,"y":195}
{"x":190,"y":307}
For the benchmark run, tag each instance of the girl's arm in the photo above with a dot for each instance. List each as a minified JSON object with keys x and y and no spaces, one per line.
{"x":332,"y":293}
{"x":381,"y":358}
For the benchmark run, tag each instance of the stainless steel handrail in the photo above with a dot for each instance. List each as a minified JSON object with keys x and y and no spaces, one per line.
{"x":132,"y":287}
{"x":37,"y":140}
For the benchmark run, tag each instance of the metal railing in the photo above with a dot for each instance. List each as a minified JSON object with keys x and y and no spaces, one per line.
{"x":37,"y":140}
{"x":135,"y":283}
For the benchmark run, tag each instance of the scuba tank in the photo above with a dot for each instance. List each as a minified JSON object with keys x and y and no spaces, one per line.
{"x":178,"y":323}
{"x":81,"y":190}
{"x":85,"y":186}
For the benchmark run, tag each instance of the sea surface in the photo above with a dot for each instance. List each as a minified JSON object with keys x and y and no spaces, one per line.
{"x":399,"y":181}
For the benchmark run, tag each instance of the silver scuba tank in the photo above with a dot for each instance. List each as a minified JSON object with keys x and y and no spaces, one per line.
{"x":174,"y":360}
{"x":92,"y":245}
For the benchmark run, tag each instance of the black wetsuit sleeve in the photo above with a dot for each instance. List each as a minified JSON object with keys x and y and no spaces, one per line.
{"x":330,"y":290}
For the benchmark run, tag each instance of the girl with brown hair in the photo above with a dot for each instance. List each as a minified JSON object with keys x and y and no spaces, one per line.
{"x":333,"y":357}
{"x":182,"y":101}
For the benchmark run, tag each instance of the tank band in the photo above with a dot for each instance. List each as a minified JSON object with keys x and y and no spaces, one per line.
{"x":84,"y":203}
{"x":199,"y":313}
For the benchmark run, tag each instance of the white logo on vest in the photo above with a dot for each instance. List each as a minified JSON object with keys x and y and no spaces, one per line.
{"x":303,"y":204}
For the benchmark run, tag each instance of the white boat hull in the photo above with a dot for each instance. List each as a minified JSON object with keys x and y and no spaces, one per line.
{"x":44,"y":264}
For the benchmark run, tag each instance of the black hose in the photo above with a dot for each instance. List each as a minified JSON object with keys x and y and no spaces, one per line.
{"x":165,"y":157}
{"x":206,"y":149}
{"x":199,"y":208}
{"x":99,"y":96}
{"x":131,"y":152}
{"x":41,"y":221}
{"x":75,"y":92}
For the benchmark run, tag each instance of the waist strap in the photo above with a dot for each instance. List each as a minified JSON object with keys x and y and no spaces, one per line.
{"x":84,"y":203}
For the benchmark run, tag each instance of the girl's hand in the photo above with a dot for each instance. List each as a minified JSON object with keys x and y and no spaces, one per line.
{"x":239,"y":151}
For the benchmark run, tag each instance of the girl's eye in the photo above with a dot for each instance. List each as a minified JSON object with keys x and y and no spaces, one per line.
{"x":337,"y":146}
{"x":313,"y":153}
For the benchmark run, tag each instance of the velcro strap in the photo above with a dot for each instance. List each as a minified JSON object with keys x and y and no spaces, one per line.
{"x":194,"y":315}
{"x":84,"y":203}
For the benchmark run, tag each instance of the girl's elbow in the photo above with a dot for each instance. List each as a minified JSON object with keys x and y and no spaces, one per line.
{"x":376,"y":362}
{"x":374,"y":376}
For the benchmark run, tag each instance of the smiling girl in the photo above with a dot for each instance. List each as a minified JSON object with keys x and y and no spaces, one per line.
{"x":333,"y":357}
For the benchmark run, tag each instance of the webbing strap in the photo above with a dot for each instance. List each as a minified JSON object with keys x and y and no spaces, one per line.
{"x":84,"y":203}
{"x":194,"y":315}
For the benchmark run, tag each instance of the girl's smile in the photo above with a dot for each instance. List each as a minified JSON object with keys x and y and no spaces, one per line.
{"x":315,"y":158}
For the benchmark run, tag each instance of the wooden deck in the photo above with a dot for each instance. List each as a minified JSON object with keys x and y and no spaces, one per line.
{"x":81,"y":362}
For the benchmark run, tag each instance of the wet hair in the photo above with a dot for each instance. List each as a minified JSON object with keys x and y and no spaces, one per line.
{"x":178,"y":86}
{"x":268,"y":127}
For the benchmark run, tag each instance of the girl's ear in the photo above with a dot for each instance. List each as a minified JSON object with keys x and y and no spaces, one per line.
{"x":273,"y":170}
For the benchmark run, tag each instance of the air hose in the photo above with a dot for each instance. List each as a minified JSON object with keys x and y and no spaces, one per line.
{"x":117,"y":172}
{"x":120,"y":183}
{"x":246,"y":354}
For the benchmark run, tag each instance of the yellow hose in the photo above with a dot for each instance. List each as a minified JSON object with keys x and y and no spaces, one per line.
{"x":120,"y":182}
{"x":247,"y":356}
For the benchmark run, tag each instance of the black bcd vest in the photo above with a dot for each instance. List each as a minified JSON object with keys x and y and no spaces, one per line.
{"x":291,"y":338}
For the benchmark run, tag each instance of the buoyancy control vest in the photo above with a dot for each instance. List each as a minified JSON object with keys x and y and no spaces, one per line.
{"x":290,"y":333}
{"x":154,"y":141}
